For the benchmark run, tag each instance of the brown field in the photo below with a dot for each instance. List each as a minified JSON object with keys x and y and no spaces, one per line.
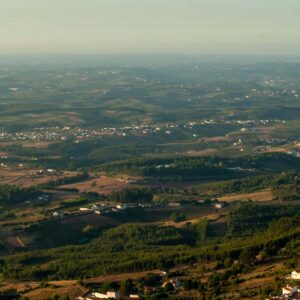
{"x":32,"y":289}
{"x":20,"y":286}
{"x":4,"y":154}
{"x":11,"y":241}
{"x":278,"y":149}
{"x":29,"y":177}
{"x":28,"y":144}
{"x":105,"y":185}
{"x":121,"y":277}
{"x":69,"y":288}
{"x":216,"y":139}
{"x":211,"y":217}
{"x":262,"y":196}
{"x":37,"y":144}
{"x":268,"y":130}
{"x":265,"y":269}
{"x":260,"y":277}
{"x":78,"y":222}
{"x":3,"y":144}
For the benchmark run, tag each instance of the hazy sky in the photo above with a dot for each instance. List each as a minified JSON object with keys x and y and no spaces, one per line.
{"x":147,"y":26}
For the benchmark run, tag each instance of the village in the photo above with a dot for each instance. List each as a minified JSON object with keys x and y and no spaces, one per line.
{"x":55,"y":134}
{"x":107,"y":209}
{"x":161,"y":282}
{"x":290,"y":291}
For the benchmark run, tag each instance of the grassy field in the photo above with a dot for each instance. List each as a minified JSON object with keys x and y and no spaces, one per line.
{"x":261,"y":196}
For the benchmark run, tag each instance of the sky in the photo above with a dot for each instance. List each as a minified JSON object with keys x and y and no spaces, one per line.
{"x":250,"y":27}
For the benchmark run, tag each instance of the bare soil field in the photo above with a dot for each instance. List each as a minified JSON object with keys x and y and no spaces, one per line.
{"x":69,"y":288}
{"x":278,"y":149}
{"x":4,"y":154}
{"x":33,"y":290}
{"x":261,"y":276}
{"x":211,"y":217}
{"x":20,"y":286}
{"x":29,"y":144}
{"x":37,"y":144}
{"x":11,"y":242}
{"x":105,"y":185}
{"x":263,"y":270}
{"x":102,"y":185}
{"x":96,"y":221}
{"x":268,"y":130}
{"x":29,"y":177}
{"x":262,"y":196}
{"x":216,"y":139}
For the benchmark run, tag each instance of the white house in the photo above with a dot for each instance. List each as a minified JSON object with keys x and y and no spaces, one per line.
{"x":57,"y":214}
{"x":219,"y":205}
{"x":295,"y":275}
{"x":84,"y":209}
{"x":121,"y":206}
{"x":288,"y":290}
{"x":132,"y":296}
{"x":94,"y":296}
{"x":176,"y":283}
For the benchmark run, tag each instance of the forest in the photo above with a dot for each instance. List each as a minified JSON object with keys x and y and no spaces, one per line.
{"x":137,"y":247}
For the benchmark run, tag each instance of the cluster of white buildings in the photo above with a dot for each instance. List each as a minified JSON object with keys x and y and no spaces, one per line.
{"x":103,"y":208}
{"x":289,"y":292}
{"x":78,"y":134}
{"x":108,"y":295}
